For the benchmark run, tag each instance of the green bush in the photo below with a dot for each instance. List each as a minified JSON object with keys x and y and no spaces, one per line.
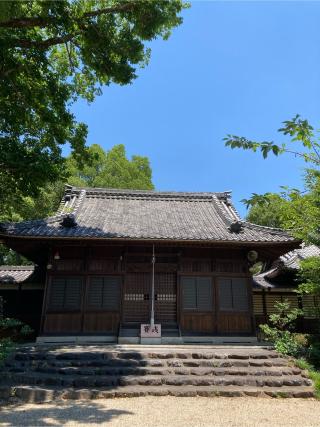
{"x":8,"y":322}
{"x":313,"y":374}
{"x":313,"y":352}
{"x":14,"y":329}
{"x":279,"y":329}
{"x":11,"y":330}
{"x":306,"y":347}
{"x":6,"y":347}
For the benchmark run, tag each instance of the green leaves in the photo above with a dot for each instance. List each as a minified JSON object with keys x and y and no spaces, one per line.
{"x":52,"y":53}
{"x":297,"y":211}
{"x":111,"y":169}
{"x":234,"y":141}
{"x":298,"y":129}
{"x":291,"y":209}
{"x":257,"y":200}
{"x":309,"y":276}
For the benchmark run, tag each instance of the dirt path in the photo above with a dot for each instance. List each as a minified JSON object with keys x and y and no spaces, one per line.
{"x":167,"y":412}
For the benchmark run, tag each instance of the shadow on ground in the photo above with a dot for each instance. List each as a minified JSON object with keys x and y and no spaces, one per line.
{"x":82,"y":412}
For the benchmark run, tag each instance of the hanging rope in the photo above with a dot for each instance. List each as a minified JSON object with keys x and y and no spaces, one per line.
{"x":152,"y":289}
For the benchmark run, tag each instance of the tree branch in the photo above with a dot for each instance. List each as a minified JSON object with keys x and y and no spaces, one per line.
{"x":31,"y":22}
{"x":26,"y":22}
{"x":304,"y":156}
{"x":42,"y":44}
{"x":315,"y":149}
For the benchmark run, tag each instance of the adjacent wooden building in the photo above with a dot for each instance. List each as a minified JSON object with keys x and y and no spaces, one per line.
{"x":21,"y":294}
{"x":97,"y":255}
{"x":280,"y":283}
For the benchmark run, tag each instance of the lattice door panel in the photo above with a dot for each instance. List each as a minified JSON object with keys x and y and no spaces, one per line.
{"x":165,"y":297}
{"x":136,"y":298}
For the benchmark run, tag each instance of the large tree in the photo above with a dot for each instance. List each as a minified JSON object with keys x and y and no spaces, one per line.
{"x":111,"y":169}
{"x":297,"y":211}
{"x":52,"y":53}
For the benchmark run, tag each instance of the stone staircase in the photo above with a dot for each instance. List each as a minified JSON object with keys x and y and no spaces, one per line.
{"x":91,"y":372}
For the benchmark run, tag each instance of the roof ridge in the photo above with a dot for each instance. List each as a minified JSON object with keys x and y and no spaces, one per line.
{"x":218,"y":203}
{"x":150,"y":193}
{"x":70,"y":205}
{"x":17,"y":267}
{"x":264,"y":227}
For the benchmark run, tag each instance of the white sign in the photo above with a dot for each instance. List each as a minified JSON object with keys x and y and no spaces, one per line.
{"x":148,"y":331}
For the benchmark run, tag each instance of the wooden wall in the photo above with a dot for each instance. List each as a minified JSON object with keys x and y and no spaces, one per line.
{"x":172,"y":264}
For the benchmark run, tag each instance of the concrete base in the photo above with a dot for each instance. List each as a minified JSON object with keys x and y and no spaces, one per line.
{"x":220,"y":340}
{"x":128,"y":340}
{"x":146,"y":341}
{"x":81,"y":339}
{"x":172,"y":340}
{"x":150,"y":341}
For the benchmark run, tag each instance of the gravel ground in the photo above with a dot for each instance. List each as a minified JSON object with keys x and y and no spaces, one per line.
{"x":167,"y":412}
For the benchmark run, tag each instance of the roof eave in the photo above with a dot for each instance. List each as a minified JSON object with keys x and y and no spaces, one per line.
{"x":292,"y":242}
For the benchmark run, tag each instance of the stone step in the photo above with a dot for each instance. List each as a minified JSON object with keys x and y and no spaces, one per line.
{"x":214,"y":380}
{"x":47,"y":394}
{"x":178,"y":362}
{"x":111,"y":371}
{"x":125,"y":371}
{"x":33,"y":378}
{"x":92,"y":355}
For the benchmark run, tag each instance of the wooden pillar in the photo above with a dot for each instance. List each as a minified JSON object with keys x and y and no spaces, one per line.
{"x":264,"y":305}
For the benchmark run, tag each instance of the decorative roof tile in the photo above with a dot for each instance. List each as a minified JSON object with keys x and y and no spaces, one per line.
{"x":147,"y":215}
{"x":11,"y":274}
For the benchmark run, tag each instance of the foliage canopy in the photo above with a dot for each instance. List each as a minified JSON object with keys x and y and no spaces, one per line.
{"x":52,"y":53}
{"x":111,"y":169}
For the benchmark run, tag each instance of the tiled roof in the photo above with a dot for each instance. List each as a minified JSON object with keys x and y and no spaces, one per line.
{"x":16,"y":274}
{"x":289,"y":261}
{"x":146,"y":215}
{"x":292,"y":259}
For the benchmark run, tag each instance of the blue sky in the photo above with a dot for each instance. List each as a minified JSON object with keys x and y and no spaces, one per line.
{"x":232,"y":67}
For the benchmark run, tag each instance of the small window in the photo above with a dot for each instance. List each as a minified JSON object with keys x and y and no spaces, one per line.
{"x":233,"y":294}
{"x":65,"y":293}
{"x":104,"y":293}
{"x":196,"y":293}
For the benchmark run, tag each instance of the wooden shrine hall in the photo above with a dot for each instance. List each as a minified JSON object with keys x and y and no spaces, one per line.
{"x":114,"y":260}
